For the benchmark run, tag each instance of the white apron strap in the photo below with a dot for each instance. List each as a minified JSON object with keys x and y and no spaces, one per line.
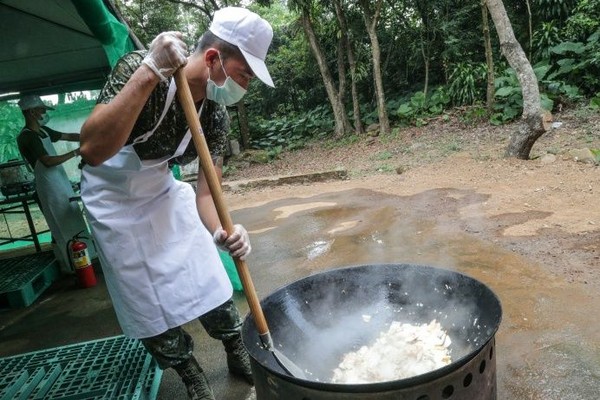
{"x":186,"y":138}
{"x":169,"y":100}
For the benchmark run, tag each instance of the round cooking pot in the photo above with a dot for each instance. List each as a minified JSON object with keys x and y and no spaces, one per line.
{"x":316,"y":320}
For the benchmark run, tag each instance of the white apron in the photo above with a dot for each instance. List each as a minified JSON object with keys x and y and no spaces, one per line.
{"x":160,"y":264}
{"x":64,"y":217}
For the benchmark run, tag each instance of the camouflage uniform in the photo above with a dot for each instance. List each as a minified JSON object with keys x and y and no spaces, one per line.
{"x":175,"y":346}
{"x":168,"y":135}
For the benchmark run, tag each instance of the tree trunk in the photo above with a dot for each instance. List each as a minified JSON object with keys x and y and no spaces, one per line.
{"x":424,"y":34}
{"x":358,"y":125}
{"x":341,"y":63}
{"x":489,"y":59}
{"x":342,"y":125}
{"x":371,"y":18}
{"x":535,"y":121}
{"x":339,"y":11}
{"x":530,"y":25}
{"x":426,"y":62}
{"x":244,"y":129}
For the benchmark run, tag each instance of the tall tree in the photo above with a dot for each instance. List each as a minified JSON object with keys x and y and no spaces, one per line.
{"x":346,"y":40}
{"x":371,"y":14}
{"x":342,"y":125}
{"x":535,"y":121}
{"x":427,"y":35}
{"x":489,"y":58}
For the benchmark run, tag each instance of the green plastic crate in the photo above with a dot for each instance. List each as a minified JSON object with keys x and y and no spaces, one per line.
{"x":117,"y":368}
{"x":23,"y":279}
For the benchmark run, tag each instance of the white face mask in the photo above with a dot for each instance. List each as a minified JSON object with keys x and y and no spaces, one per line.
{"x":227,"y":94}
{"x":43,"y":120}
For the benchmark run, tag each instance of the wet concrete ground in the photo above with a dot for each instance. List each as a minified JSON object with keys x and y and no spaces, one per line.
{"x":547,"y":346}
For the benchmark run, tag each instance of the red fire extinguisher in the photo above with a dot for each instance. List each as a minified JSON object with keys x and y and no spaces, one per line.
{"x":81,"y":262}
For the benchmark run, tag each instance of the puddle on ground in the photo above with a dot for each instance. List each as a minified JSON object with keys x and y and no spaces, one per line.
{"x":547,"y":345}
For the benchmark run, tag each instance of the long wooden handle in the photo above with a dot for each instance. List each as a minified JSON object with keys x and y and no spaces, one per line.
{"x":185,"y":98}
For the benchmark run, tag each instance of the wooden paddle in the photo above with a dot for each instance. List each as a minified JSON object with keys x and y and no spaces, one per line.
{"x":191,"y":115}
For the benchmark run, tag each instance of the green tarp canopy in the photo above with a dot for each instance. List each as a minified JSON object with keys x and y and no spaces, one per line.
{"x":58,"y":46}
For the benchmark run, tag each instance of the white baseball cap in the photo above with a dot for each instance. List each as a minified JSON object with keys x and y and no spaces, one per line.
{"x":250,"y":33}
{"x":30,"y":101}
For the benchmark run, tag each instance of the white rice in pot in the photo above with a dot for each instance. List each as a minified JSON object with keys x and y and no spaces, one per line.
{"x":404,"y":351}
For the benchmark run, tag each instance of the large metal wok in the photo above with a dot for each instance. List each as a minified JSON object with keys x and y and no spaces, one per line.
{"x":316,"y":320}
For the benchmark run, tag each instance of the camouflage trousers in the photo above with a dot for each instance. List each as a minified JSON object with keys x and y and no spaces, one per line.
{"x":175,"y":346}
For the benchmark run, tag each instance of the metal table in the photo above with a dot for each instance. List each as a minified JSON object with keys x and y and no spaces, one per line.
{"x":19,"y":204}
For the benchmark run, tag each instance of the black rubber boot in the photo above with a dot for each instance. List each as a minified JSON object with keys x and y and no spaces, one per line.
{"x":195,"y":381}
{"x":238,"y":360}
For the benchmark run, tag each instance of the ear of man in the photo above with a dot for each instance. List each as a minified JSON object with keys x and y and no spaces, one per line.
{"x":211,"y":57}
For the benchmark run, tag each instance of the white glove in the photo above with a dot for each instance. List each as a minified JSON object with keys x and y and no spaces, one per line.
{"x":237,"y":244}
{"x":166,"y":54}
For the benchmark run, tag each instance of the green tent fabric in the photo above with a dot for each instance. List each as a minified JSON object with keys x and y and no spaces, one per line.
{"x":59,"y":46}
{"x":113,"y":35}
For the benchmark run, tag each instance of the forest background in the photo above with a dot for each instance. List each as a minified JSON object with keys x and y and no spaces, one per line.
{"x":344,"y":69}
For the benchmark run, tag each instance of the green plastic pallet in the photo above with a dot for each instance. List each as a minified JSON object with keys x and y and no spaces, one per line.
{"x":116,"y":368}
{"x":23,"y":279}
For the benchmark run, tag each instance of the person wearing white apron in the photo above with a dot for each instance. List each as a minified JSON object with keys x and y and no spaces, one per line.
{"x":155,"y":236}
{"x":52,"y":185}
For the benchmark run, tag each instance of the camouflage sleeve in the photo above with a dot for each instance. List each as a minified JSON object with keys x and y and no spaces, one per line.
{"x":215,"y":124}
{"x":119,"y":76}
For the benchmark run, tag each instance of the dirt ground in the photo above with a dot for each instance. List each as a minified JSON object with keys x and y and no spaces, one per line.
{"x":439,"y":195}
{"x":445,"y":195}
{"x":546,"y":209}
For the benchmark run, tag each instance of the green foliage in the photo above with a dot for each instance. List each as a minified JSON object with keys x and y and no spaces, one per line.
{"x":584,"y":21}
{"x":274,"y":152}
{"x":595,"y":102}
{"x":509,"y":98}
{"x":445,"y":34}
{"x":558,"y":10}
{"x":418,"y":108}
{"x":291,"y":132}
{"x":543,"y":39}
{"x":148,"y":18}
{"x":467,"y":83}
{"x":474,"y":115}
{"x":11,"y":122}
{"x":579,"y":63}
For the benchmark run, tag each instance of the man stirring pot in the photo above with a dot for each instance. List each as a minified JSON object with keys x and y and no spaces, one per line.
{"x":156,"y":237}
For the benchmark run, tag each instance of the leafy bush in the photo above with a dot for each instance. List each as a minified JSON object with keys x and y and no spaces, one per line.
{"x":579,"y":63}
{"x":467,"y":83}
{"x":543,"y":39}
{"x":290,"y":132}
{"x":583,"y":22}
{"x":509,"y":97}
{"x":420,"y":107}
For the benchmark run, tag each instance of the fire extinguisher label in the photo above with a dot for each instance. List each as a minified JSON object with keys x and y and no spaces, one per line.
{"x":81,"y":259}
